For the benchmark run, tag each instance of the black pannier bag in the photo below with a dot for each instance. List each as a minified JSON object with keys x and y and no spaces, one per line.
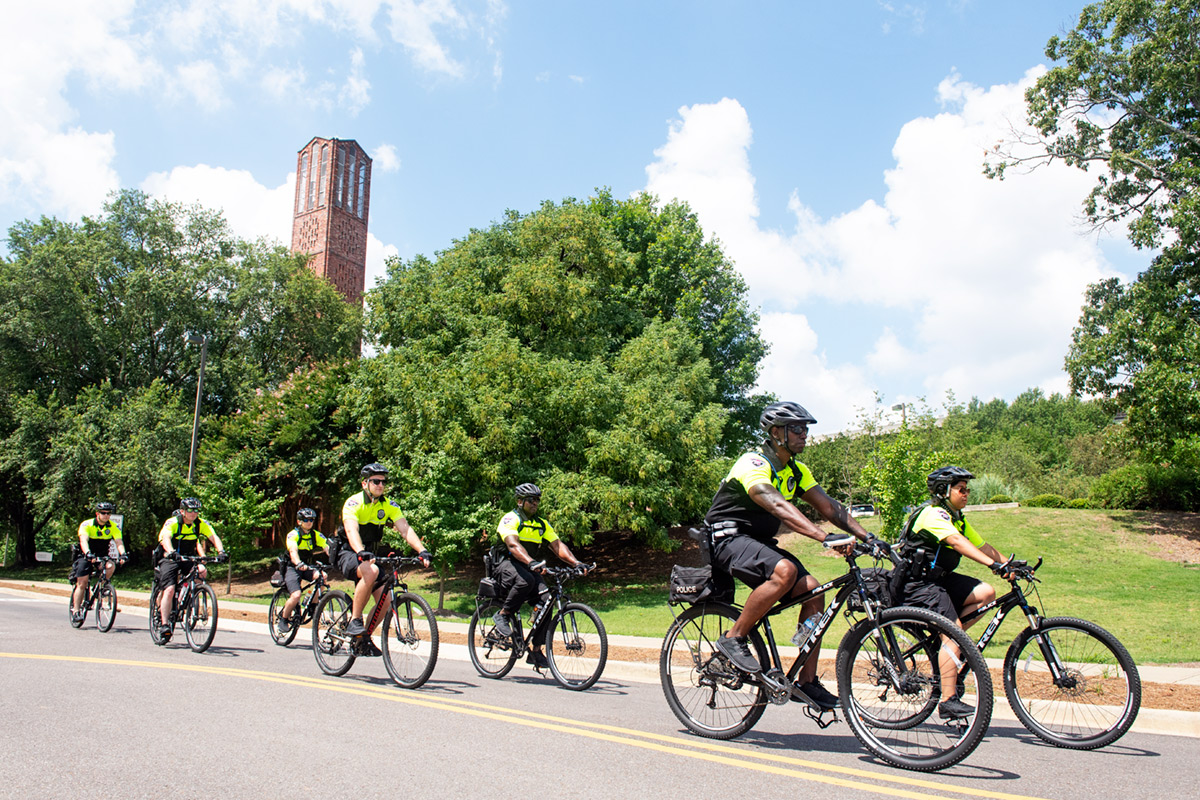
{"x":699,"y":585}
{"x":879,"y":585}
{"x":487,"y":588}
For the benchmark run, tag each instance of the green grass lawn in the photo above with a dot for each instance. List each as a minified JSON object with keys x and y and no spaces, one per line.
{"x":1099,"y":565}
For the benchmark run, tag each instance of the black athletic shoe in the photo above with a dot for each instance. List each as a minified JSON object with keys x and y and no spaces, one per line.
{"x":818,"y":694}
{"x":502,"y":625}
{"x":356,"y":627}
{"x":954,"y":709}
{"x":365,"y":647}
{"x":736,"y":649}
{"x":538,"y":659}
{"x":282,"y":625}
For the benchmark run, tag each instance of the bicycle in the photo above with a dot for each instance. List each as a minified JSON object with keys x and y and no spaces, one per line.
{"x":1070,"y":682}
{"x":194,"y":605}
{"x":410,"y":633}
{"x":305,"y":610}
{"x":576,"y":643}
{"x":100,"y":593}
{"x":888,"y":675}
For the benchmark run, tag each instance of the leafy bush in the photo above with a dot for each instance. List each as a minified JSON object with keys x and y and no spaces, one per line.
{"x":1047,"y":501}
{"x":1147,"y":486}
{"x":1079,"y":502}
{"x":1000,"y":498}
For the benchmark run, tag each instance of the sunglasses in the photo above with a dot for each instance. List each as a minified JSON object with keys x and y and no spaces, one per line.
{"x":377,"y":481}
{"x":797,"y":429}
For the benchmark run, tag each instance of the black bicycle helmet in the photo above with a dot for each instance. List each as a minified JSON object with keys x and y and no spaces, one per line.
{"x":785,"y":412}
{"x":106,"y":506}
{"x":306,"y":515}
{"x":373,"y":469}
{"x":940,"y":480}
{"x":190,"y":504}
{"x":527,"y":491}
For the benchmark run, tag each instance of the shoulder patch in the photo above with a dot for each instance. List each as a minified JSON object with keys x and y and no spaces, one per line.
{"x":394,"y":504}
{"x":941,"y":512}
{"x":354,"y":502}
{"x":756,"y":462}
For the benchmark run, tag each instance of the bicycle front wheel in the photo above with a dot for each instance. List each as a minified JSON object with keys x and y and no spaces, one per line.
{"x":200,"y":618}
{"x":106,"y":608}
{"x":491,"y":654}
{"x":1095,"y":697}
{"x":275,"y":613}
{"x":707,"y":693}
{"x":889,"y":682}
{"x":410,"y":640}
{"x":331,"y":645}
{"x":577,"y":647}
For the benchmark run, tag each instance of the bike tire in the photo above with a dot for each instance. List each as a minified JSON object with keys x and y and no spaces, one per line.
{"x":1097,"y":701}
{"x":156,"y":635}
{"x":410,"y":640}
{"x":200,"y":618}
{"x":331,"y":646}
{"x":106,"y":608}
{"x":492,"y":655}
{"x":576,"y":647}
{"x":274,"y":613}
{"x":708,"y":694}
{"x":895,"y":720}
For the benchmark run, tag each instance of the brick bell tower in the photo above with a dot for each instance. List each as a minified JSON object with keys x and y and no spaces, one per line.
{"x":333,"y":200}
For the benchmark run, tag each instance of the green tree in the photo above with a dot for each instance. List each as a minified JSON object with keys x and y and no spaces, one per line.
{"x":537,"y":350}
{"x":896,"y":473}
{"x":237,"y":510}
{"x":1122,"y":97}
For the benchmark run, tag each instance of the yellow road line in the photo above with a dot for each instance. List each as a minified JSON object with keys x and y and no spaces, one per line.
{"x":691,"y":748}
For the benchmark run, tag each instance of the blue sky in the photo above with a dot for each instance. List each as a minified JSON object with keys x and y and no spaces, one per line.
{"x":834,"y":149}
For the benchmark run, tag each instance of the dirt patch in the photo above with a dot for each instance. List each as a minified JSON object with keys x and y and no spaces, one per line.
{"x":1171,"y":536}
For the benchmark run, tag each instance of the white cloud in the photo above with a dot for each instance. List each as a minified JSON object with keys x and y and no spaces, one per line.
{"x":252,"y":210}
{"x":201,"y":81}
{"x":377,"y":255}
{"x":412,"y":26}
{"x":356,"y":92}
{"x":982,"y":280}
{"x":384,"y":159}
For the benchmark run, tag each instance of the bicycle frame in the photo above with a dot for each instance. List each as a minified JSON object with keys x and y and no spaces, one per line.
{"x":559,"y":577}
{"x":391,"y":585}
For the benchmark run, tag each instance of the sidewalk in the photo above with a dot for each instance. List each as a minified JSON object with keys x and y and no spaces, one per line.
{"x":252,"y":618}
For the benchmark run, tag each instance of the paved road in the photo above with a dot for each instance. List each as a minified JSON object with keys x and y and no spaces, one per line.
{"x":111,"y":713}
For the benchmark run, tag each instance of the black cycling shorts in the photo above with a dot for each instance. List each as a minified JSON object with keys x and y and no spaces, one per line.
{"x":751,"y":561}
{"x":347,"y":564}
{"x":946,"y":595}
{"x":291,"y":578}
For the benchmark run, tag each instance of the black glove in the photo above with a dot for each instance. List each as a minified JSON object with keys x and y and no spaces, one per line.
{"x":536,"y":566}
{"x":365,"y":555}
{"x":121,"y":559}
{"x":879,"y":548}
{"x":426,"y":557}
{"x":171,"y":556}
{"x":301,"y":567}
{"x":583,"y":569}
{"x":999,"y":568}
{"x":222,"y":557}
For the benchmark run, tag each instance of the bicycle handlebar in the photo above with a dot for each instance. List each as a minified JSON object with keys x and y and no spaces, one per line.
{"x":219,"y":558}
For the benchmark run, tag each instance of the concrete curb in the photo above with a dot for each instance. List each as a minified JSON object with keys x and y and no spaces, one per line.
{"x":245,"y":617}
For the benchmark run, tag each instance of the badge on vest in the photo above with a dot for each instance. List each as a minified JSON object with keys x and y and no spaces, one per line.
{"x":380,"y":513}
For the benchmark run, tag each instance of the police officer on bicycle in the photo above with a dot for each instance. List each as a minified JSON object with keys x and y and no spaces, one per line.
{"x":517,"y":571}
{"x":751,"y":504}
{"x":95,"y":534}
{"x":365,"y":515}
{"x":184,"y":533}
{"x":302,"y":542}
{"x":935,"y":538}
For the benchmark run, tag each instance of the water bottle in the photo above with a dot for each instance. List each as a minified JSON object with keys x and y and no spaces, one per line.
{"x":805,"y":629}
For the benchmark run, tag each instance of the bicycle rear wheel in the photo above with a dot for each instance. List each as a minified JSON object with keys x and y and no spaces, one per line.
{"x":331,"y":645}
{"x":706,"y":692}
{"x":200,"y":618}
{"x":577,"y":647}
{"x":106,"y":608}
{"x":889,"y":682}
{"x":410,"y":640}
{"x":275,"y":613}
{"x":1096,"y":699}
{"x":492,"y":655}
